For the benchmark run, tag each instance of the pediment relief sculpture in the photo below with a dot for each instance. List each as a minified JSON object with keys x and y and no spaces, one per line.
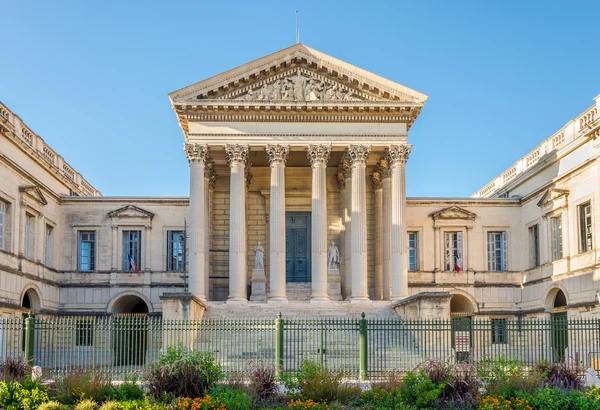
{"x":131,"y":211}
{"x":453,"y":212}
{"x":299,"y":86}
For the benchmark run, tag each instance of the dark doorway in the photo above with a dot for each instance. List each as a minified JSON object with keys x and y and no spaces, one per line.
{"x":560,"y":328}
{"x":130,"y":331}
{"x":297,"y":247}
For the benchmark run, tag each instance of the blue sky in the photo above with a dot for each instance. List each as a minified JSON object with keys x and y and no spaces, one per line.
{"x":92,"y":77}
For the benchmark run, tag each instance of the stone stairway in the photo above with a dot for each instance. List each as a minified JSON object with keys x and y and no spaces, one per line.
{"x":298,"y":291}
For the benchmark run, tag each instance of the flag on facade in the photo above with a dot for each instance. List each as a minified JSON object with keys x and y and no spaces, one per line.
{"x":457,"y":263}
{"x":132,"y":264}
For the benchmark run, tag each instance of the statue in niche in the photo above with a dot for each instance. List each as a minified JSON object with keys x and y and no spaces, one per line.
{"x":333,"y":256}
{"x":259,"y":254}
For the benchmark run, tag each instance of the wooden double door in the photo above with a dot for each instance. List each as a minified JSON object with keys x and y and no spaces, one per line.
{"x":297,"y":247}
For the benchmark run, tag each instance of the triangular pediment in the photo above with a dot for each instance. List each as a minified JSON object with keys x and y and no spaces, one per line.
{"x":453,"y":212}
{"x":551,"y":195}
{"x":131,"y":211}
{"x":34,"y":193}
{"x":297,"y":74}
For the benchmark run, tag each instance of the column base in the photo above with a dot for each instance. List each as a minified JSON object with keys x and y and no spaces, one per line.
{"x":237,"y":301}
{"x":320,"y":300}
{"x":278,"y":301}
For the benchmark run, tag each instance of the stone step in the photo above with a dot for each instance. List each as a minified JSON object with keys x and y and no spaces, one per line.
{"x":298,"y":291}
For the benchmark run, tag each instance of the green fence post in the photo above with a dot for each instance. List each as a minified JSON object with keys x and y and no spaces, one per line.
{"x":279,"y":345}
{"x":29,"y":338}
{"x":363,"y":347}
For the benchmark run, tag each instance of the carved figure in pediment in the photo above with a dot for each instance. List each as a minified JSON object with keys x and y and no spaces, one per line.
{"x":299,"y":88}
{"x":249,"y":95}
{"x":347,"y":96}
{"x":276,"y":92}
{"x":311,"y":91}
{"x":288,"y":91}
{"x":263,"y":93}
{"x":331,"y":93}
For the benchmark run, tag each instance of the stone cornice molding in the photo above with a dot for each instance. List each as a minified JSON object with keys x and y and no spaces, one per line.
{"x":131,"y":211}
{"x":277,"y":154}
{"x":318,"y":154}
{"x":236,"y":154}
{"x":358,"y":154}
{"x":397,"y":155}
{"x":196,"y":152}
{"x":35,"y":193}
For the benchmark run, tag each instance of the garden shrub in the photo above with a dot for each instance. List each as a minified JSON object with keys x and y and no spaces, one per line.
{"x":461,"y":386}
{"x":307,"y":404}
{"x":181,"y":372}
{"x":391,"y":381}
{"x":81,"y":385}
{"x":490,"y":371}
{"x":111,"y":405}
{"x":14,"y":368}
{"x":315,"y":382}
{"x":52,"y":405}
{"x":379,"y":398}
{"x":501,"y":403}
{"x":205,"y":403}
{"x":347,"y":394}
{"x":508,"y":378}
{"x":233,"y":399}
{"x":419,"y":391}
{"x":87,"y":404}
{"x":262,"y":383}
{"x":126,"y":391}
{"x":566,"y":375}
{"x":24,"y":395}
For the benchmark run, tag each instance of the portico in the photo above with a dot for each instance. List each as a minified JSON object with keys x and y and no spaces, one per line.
{"x":298,"y":132}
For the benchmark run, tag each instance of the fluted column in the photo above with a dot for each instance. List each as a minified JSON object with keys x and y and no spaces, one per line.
{"x":346,"y":174}
{"x":277,"y":155}
{"x":210,"y":178}
{"x":378,"y":192}
{"x":319,"y":155}
{"x":358,"y":155}
{"x":197,"y":155}
{"x":237,"y":156}
{"x":386,"y":242}
{"x":398,"y":155}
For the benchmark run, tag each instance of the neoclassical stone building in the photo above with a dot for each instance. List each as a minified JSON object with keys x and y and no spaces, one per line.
{"x":298,"y":202}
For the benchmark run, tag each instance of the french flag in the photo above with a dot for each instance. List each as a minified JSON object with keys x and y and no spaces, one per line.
{"x":457,"y":263}
{"x":132,"y":264}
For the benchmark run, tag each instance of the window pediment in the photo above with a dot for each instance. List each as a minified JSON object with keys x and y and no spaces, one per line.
{"x":132,"y":212}
{"x":551,"y":195}
{"x":453,"y":213}
{"x":33,"y":192}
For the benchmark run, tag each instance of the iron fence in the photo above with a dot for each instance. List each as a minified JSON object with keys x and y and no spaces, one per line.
{"x":123,"y":345}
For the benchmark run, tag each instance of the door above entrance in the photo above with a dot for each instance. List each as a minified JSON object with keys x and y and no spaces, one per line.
{"x":297,"y":247}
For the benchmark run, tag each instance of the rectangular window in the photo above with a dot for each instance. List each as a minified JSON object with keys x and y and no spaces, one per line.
{"x":453,"y":251}
{"x":413,"y":251}
{"x":3,"y":225}
{"x":84,"y":333}
{"x":48,"y":245}
{"x":132,"y":251}
{"x":29,"y":236}
{"x":87,"y":251}
{"x":499,"y":331}
{"x":557,"y":247}
{"x":175,"y":251}
{"x":497,"y":249}
{"x":585,"y":227}
{"x":534,"y":246}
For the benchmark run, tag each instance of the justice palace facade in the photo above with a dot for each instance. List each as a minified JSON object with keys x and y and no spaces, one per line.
{"x":298,"y":203}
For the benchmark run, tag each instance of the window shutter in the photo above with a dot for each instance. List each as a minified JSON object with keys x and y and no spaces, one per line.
{"x":491,"y":258}
{"x":504,"y":251}
{"x":459,"y":245}
{"x":2,"y":224}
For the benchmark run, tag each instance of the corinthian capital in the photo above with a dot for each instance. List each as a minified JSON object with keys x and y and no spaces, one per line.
{"x":236,"y":154}
{"x":196,"y":152}
{"x":319,"y":154}
{"x":398,"y":154}
{"x":383,"y":167}
{"x":277,"y":154}
{"x":210,"y":174}
{"x":358,"y":154}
